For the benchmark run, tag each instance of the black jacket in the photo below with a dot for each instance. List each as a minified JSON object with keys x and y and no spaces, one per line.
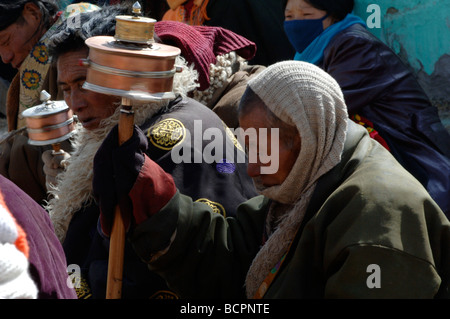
{"x":378,"y":86}
{"x":260,"y":21}
{"x":221,"y":186}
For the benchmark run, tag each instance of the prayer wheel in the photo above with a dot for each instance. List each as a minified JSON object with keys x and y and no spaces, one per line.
{"x":131,"y":64}
{"x":49,"y":123}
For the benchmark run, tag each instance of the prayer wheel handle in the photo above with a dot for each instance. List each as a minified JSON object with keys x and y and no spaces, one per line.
{"x":117,"y":240}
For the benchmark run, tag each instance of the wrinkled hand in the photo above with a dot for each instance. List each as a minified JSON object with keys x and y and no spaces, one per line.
{"x":54,"y":164}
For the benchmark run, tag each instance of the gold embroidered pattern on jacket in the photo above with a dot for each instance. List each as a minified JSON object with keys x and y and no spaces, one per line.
{"x":164,"y":294}
{"x":167,"y":133}
{"x":216,"y":207}
{"x":232,"y":137}
{"x":81,"y":286}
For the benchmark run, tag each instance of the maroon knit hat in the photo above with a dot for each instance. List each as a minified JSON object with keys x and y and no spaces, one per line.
{"x":201,"y":44}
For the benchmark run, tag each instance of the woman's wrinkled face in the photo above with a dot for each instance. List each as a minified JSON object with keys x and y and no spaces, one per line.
{"x":17,"y":40}
{"x":274,"y":148}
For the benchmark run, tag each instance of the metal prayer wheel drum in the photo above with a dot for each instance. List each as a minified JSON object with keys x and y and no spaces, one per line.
{"x":149,"y":69}
{"x":135,"y":29}
{"x":49,"y":123}
{"x":131,"y":62}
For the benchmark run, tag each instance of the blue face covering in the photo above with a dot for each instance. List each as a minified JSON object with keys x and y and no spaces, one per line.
{"x":302,"y":32}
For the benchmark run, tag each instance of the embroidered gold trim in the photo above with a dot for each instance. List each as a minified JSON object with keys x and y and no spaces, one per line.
{"x":164,"y":294}
{"x":167,"y":133}
{"x":232,"y":137}
{"x":216,"y":207}
{"x":82,"y":288}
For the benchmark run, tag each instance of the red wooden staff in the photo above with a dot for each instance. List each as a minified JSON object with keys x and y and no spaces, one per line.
{"x":117,"y":243}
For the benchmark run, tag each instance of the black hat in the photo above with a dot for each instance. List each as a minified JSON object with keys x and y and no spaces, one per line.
{"x":337,"y":9}
{"x":11,"y":10}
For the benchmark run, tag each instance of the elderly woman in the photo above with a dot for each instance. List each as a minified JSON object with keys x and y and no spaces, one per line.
{"x":338,"y":210}
{"x":381,"y":93}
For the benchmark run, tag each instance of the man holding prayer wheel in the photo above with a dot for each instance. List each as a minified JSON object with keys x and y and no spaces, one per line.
{"x":174,"y":126}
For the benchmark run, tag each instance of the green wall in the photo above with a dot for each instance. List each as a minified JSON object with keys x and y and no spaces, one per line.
{"x":419,"y":32}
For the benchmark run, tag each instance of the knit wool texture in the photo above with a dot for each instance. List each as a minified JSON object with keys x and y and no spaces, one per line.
{"x":200,"y":45}
{"x":305,"y":96}
{"x":302,"y":95}
{"x":15,"y":279}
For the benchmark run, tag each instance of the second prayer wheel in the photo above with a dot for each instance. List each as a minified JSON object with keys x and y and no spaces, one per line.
{"x":49,"y":123}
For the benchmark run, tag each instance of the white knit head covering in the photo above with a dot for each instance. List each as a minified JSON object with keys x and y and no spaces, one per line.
{"x":302,"y":95}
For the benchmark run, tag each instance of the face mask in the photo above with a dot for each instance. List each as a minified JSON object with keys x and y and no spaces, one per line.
{"x":302,"y":32}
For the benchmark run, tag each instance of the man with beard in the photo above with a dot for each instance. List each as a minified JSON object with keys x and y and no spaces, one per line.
{"x":73,"y":207}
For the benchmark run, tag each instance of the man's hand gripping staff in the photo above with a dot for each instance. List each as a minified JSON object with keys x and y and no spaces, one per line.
{"x":129,"y":188}
{"x":124,"y":175}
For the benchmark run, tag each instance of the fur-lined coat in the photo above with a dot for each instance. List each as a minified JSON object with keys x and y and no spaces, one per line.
{"x":75,"y":213}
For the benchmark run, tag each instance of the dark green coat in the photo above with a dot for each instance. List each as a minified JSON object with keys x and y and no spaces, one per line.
{"x":366,"y":211}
